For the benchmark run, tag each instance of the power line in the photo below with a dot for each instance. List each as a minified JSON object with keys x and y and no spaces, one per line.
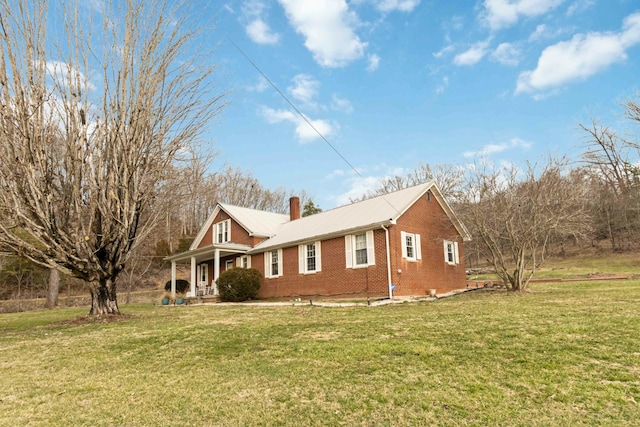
{"x":304,"y":117}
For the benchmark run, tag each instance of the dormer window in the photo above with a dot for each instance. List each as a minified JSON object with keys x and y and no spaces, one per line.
{"x":222,"y":231}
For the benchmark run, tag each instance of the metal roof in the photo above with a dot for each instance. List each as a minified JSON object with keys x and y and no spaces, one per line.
{"x":367,"y":214}
{"x":257,"y":223}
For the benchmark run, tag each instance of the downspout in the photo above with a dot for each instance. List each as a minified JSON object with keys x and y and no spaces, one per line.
{"x":386,"y":236}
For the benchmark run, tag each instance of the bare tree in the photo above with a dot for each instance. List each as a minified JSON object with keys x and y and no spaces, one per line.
{"x":613,"y":161}
{"x":88,"y":128}
{"x":515,"y":213}
{"x":449,"y":178}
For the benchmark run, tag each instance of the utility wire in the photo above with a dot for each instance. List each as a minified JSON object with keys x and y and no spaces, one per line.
{"x":304,"y":117}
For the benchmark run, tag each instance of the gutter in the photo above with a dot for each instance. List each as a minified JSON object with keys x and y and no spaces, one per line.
{"x":386,"y":236}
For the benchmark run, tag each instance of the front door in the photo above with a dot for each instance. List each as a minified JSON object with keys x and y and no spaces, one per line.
{"x":203,"y":277}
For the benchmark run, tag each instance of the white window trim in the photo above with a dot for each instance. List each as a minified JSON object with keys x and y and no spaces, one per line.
{"x":227,"y":223}
{"x":302,"y":258}
{"x":417,"y":247}
{"x":267,"y":264}
{"x":350,"y":251}
{"x":228,"y":264}
{"x":456,"y":254}
{"x":242,"y":257}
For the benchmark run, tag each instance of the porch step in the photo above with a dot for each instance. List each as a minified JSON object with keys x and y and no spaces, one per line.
{"x":201,"y":299}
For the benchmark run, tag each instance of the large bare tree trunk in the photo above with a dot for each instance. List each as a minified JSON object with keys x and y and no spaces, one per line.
{"x":53,"y":288}
{"x":103,"y":297}
{"x":90,"y":124}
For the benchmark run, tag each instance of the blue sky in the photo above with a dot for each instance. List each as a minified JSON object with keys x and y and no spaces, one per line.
{"x":393,"y":83}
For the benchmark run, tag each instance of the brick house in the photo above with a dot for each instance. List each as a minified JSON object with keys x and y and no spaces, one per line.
{"x":403,"y":243}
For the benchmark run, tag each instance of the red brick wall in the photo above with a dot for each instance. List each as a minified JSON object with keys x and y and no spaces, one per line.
{"x":425,"y":217}
{"x":428,"y":219}
{"x":238,"y":233}
{"x":334,"y":279}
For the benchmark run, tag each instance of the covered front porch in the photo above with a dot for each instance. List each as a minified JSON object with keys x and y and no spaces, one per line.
{"x":206,"y":264}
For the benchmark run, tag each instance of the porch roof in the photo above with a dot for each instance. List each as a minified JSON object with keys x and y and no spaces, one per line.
{"x":207,"y":252}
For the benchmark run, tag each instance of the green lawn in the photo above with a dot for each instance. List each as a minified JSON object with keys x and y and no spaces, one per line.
{"x":561,"y":354}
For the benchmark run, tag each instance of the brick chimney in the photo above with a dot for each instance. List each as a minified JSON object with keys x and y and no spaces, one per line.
{"x":294,"y":208}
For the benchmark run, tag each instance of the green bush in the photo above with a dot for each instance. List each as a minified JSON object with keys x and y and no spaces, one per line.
{"x":239,"y":284}
{"x":182,"y":286}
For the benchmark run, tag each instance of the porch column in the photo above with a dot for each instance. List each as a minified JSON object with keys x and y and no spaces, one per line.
{"x":193,"y":276}
{"x":216,"y":265}
{"x":173,"y":279}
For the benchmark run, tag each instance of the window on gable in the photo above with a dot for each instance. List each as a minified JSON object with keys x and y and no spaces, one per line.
{"x":222,"y":231}
{"x":411,"y":249}
{"x":451,"y":255}
{"x":360,"y":250}
{"x":309,"y":258}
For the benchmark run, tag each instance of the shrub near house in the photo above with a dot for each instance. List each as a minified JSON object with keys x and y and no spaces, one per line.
{"x":239,"y":284}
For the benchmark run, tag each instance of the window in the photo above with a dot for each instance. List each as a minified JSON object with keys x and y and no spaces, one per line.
{"x":309,"y":258}
{"x":222,"y":231}
{"x":451,"y":255}
{"x":273,"y":263}
{"x":229,"y":264}
{"x":359,"y":250}
{"x":411,"y":249}
{"x":243,"y":261}
{"x":408,"y":241}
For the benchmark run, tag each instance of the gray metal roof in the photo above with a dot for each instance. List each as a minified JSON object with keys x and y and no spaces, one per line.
{"x":258,"y":223}
{"x":367,"y":214}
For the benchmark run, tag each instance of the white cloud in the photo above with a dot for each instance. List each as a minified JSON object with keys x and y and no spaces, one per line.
{"x":507,"y":54}
{"x":304,"y":89}
{"x":261,"y":85}
{"x":443,"y":51}
{"x":401,"y":5}
{"x":542,"y":32}
{"x":253,"y":8}
{"x":473,"y":55}
{"x":257,"y":29}
{"x":328,"y":29}
{"x":499,"y":14}
{"x":304,"y":131}
{"x":374,"y":62}
{"x":490,"y":149}
{"x":335,"y":174}
{"x":341,"y":104}
{"x":359,"y":185}
{"x":260,"y":33}
{"x":580,"y":58}
{"x":579,"y":6}
{"x":443,"y":85}
{"x":539,"y":33}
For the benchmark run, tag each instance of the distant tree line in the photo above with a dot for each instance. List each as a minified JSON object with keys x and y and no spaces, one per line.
{"x":516,"y":213}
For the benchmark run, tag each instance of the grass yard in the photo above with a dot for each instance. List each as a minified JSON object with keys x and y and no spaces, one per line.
{"x":561,"y":355}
